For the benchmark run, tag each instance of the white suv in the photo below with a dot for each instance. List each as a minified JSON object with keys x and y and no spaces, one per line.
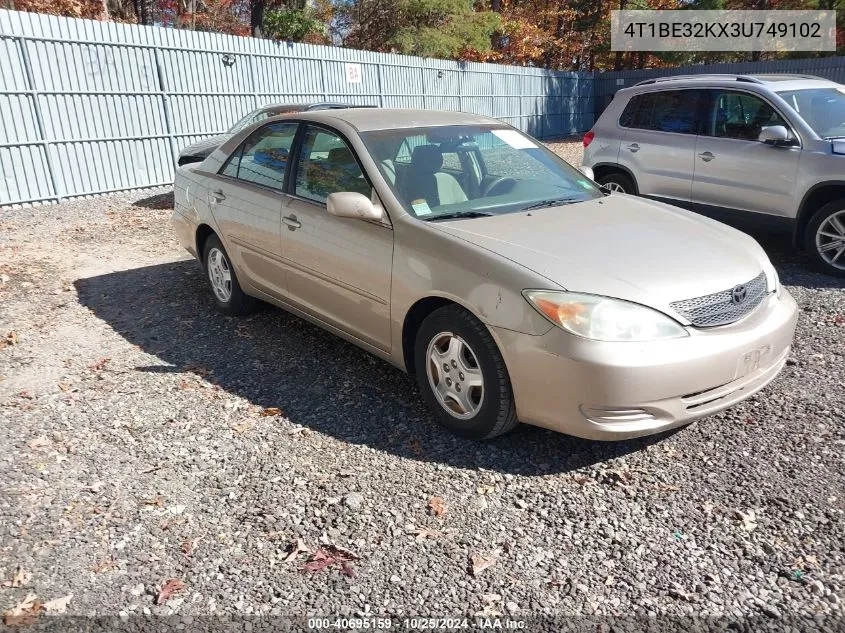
{"x":764,"y":150}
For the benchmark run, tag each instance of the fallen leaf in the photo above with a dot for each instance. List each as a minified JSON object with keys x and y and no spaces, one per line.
{"x":479,"y":563}
{"x":270,"y":411}
{"x":437,"y":506}
{"x":329,"y":555}
{"x":20,"y":578}
{"x":583,"y":479}
{"x":24,"y":613}
{"x":173,"y":585}
{"x":59,"y":605}
{"x":39,"y":442}
{"x":243,"y":427}
{"x":666,"y":487}
{"x":748,"y":520}
{"x":295,"y":549}
{"x":10,"y":339}
{"x":490,"y":598}
{"x":300,"y":430}
{"x":189,"y":546}
{"x":99,"y":364}
{"x":423,"y":533}
{"x":155,"y":501}
{"x":486,"y":490}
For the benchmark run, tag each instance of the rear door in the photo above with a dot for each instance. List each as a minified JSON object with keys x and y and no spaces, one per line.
{"x":733,"y":169}
{"x":659,"y":144}
{"x":246,"y":199}
{"x":339,"y":269}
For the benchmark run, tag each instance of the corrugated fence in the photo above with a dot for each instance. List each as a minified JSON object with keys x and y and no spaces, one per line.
{"x":90,"y":107}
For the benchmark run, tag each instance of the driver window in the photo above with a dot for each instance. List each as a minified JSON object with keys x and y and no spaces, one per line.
{"x":741,"y":116}
{"x":327,"y":165}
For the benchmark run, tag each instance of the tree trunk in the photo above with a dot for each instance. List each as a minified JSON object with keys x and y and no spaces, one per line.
{"x":256,"y":18}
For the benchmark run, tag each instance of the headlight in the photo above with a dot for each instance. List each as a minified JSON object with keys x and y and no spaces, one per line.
{"x":603,"y":319}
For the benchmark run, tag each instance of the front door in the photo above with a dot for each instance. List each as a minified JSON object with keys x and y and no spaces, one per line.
{"x":339,"y":269}
{"x":246,"y":199}
{"x":734,"y":170}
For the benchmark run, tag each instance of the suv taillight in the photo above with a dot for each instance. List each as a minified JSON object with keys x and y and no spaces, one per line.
{"x":588,"y":138}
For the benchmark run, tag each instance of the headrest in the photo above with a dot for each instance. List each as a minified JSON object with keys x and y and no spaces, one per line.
{"x":341,"y":155}
{"x":427,"y":158}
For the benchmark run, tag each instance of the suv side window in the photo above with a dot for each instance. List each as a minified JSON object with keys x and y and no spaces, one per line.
{"x":673,"y":111}
{"x":740,"y":115}
{"x":263,"y":157}
{"x":637,"y":114}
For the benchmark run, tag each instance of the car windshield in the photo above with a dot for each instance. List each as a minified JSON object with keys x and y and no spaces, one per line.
{"x":822,"y":108}
{"x":465,"y":171}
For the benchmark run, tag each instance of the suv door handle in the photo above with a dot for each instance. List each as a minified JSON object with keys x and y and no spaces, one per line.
{"x":218,"y":195}
{"x":291,"y":222}
{"x":634,"y":147}
{"x":706,"y":156}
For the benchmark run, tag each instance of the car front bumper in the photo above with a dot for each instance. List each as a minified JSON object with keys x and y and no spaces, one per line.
{"x":615,"y":391}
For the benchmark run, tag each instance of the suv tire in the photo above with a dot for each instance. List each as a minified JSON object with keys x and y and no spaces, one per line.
{"x":827,"y":229}
{"x":618,"y":182}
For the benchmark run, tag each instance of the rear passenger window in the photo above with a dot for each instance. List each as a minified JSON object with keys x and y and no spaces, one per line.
{"x":666,"y":111}
{"x":263,"y":157}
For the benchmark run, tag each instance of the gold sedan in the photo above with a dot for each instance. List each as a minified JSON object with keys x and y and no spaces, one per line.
{"x":462,"y":251}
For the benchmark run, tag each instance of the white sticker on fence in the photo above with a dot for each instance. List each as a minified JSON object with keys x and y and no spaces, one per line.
{"x":354,"y":74}
{"x":515,"y":139}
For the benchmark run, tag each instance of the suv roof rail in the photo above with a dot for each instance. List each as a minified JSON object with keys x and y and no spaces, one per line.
{"x":744,"y":78}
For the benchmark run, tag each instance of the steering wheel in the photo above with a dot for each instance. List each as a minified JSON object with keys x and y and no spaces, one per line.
{"x":499,"y":183}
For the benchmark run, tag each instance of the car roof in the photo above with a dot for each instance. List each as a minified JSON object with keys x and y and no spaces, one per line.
{"x":370,"y":119}
{"x":775,"y":82}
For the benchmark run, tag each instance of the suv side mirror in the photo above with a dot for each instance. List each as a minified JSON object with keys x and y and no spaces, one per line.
{"x":775,"y":135}
{"x":353,"y":205}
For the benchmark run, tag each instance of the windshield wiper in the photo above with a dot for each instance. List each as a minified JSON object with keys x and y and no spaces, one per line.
{"x":553,"y":202}
{"x":457,"y":215}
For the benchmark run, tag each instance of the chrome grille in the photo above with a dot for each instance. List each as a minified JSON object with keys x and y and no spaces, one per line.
{"x":720,"y":308}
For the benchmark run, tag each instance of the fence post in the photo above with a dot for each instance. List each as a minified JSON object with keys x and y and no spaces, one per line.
{"x":422,"y":83}
{"x":380,"y":89}
{"x":39,"y":118}
{"x":165,"y":102}
{"x":323,"y":79}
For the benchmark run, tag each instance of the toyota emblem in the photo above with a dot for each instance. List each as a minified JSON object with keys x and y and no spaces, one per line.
{"x":739,"y":294}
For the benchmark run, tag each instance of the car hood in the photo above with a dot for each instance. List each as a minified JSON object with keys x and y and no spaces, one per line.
{"x":621,"y":246}
{"x":203,"y":148}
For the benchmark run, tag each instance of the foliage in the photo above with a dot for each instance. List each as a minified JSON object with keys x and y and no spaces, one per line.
{"x":444,"y":28}
{"x":294,"y":25}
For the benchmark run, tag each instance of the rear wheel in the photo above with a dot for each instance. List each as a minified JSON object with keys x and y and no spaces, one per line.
{"x":227,"y":293}
{"x":617,"y":182}
{"x":462,"y":375}
{"x":825,"y":238}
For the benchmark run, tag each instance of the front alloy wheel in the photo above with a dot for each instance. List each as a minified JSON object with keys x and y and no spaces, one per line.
{"x":454,"y":375}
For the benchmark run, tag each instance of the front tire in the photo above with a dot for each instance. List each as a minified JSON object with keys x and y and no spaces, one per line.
{"x":618,"y":183}
{"x":462,"y":375}
{"x":227,"y":293}
{"x":825,"y":238}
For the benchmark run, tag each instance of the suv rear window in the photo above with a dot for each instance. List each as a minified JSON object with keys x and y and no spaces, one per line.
{"x":665,"y":111}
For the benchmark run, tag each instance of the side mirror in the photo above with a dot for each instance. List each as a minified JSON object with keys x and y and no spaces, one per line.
{"x":775,"y":135}
{"x":353,"y":205}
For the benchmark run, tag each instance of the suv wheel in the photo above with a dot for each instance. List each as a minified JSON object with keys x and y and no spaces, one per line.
{"x":825,"y":238}
{"x":618,"y":182}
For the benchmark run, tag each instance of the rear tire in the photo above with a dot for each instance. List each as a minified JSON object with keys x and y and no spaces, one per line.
{"x":824,"y":239}
{"x":462,"y":375}
{"x":225,"y":289}
{"x":618,"y":182}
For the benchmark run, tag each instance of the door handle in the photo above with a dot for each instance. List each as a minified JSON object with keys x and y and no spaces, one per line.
{"x":218,"y":195}
{"x":634,"y":147}
{"x":706,"y":156}
{"x":291,"y":222}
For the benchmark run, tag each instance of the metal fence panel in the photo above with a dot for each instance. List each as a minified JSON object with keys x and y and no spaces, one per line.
{"x":90,"y":107}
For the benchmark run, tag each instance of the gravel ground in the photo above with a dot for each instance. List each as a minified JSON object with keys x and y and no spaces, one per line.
{"x":160,"y":458}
